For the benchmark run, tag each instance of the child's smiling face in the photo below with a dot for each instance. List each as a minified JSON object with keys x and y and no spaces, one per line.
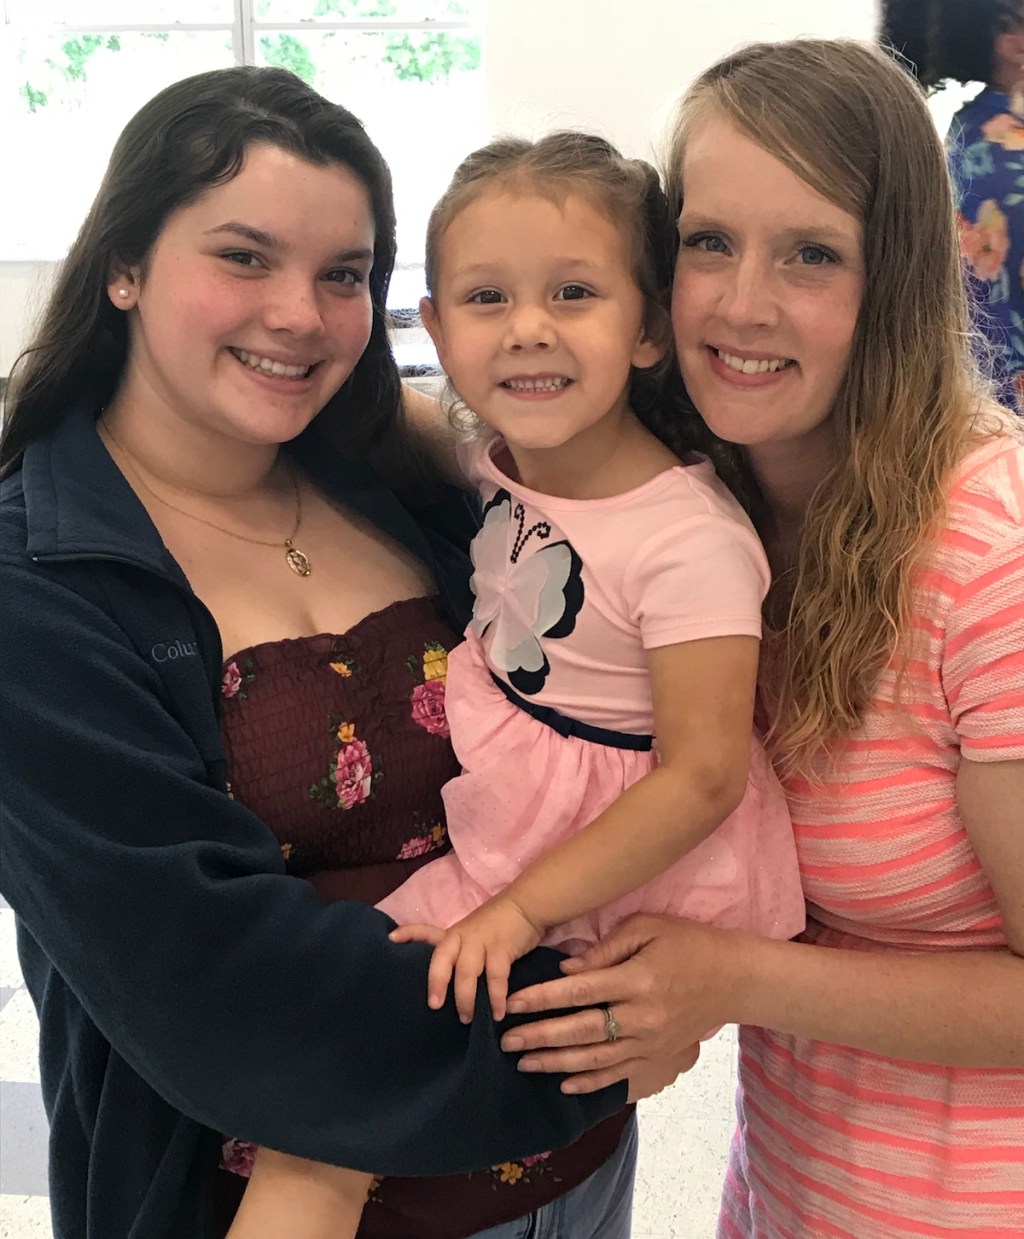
{"x":538,"y":319}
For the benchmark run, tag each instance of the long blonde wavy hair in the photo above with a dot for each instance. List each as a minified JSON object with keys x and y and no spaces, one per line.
{"x":854,"y":126}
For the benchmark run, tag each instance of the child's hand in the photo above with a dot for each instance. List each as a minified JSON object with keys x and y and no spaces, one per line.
{"x":302,"y":1199}
{"x":486,"y":941}
{"x":417,"y":932}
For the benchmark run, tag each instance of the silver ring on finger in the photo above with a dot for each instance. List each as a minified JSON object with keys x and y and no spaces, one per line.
{"x":612,"y":1031}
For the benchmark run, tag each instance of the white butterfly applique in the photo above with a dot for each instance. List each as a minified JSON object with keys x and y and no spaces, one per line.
{"x":522,"y":595}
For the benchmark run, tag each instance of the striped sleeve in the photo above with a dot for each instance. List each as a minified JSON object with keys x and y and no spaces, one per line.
{"x":983,"y":664}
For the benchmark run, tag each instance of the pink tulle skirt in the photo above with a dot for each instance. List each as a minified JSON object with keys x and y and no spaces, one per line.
{"x":525,"y":788}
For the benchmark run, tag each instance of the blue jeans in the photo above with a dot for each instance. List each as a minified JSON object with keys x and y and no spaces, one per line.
{"x":601,"y":1207}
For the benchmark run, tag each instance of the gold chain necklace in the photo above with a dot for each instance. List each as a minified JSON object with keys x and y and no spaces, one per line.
{"x":296,"y":560}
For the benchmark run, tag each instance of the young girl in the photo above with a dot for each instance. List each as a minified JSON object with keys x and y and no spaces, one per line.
{"x":601,"y":705}
{"x":618,"y":599}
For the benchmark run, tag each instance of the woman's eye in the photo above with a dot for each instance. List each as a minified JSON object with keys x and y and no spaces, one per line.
{"x":487,"y":296}
{"x":241,"y":258}
{"x":709,"y":242}
{"x":572,"y":292}
{"x":816,"y":255}
{"x":345,"y":276}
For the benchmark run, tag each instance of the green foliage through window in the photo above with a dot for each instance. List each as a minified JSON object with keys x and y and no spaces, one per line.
{"x":287,"y":52}
{"x":411,"y":55}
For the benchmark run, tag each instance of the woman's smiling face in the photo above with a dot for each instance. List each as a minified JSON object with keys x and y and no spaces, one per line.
{"x":768,"y":288}
{"x":254,"y":306}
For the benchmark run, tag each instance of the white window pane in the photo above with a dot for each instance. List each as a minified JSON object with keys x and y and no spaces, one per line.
{"x":419,"y":93}
{"x":366,"y":10}
{"x":64,"y":98}
{"x":118,"y":12}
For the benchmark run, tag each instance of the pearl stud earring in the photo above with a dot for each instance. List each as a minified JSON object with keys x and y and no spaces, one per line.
{"x":122,"y":292}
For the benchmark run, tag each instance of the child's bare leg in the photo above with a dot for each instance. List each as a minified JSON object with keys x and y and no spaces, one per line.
{"x":291,"y":1198}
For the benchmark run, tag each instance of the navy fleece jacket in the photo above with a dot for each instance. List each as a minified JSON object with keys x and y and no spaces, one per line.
{"x":186,"y":985}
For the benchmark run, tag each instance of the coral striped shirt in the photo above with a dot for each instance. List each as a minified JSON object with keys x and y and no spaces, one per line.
{"x":837,"y":1143}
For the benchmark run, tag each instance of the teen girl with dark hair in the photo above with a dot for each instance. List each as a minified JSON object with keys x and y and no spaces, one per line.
{"x":224,"y":641}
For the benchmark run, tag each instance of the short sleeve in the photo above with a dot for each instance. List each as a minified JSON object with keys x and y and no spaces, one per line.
{"x":703,"y":577}
{"x":983,"y":666}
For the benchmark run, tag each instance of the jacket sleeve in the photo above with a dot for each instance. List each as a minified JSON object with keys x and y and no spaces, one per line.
{"x":242,"y":999}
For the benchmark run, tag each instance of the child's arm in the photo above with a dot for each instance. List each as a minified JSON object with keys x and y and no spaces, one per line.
{"x":703,"y":694}
{"x":434,"y":431}
{"x":301,"y":1199}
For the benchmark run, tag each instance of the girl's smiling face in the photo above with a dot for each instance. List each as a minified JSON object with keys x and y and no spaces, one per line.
{"x":253,"y":306}
{"x":538,"y":319}
{"x":768,"y":287}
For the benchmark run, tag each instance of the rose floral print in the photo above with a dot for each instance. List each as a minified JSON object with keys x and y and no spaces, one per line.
{"x":427,"y":839}
{"x":235,"y":681}
{"x":352,"y":776}
{"x":428,"y":707}
{"x":238,"y":1156}
{"x":986,"y":157}
{"x":427,"y":699}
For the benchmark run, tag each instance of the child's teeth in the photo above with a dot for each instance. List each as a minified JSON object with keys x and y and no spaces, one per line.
{"x":536,"y":384}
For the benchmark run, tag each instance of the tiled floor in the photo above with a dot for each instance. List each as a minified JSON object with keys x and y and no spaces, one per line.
{"x":684,"y":1131}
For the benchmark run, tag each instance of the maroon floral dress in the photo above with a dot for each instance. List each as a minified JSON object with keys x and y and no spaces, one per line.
{"x":340,"y":744}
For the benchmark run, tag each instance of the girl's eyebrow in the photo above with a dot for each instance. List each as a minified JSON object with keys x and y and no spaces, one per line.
{"x":256,"y":235}
{"x":267,"y":240}
{"x":474,"y":268}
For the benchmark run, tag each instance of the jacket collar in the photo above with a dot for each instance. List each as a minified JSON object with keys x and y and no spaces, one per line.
{"x":79,"y":504}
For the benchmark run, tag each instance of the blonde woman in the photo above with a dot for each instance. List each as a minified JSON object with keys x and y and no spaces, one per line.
{"x":822,"y":334}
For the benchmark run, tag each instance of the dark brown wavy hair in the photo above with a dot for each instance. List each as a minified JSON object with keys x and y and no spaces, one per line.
{"x":190,"y":137}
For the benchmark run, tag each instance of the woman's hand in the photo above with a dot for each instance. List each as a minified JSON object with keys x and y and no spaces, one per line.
{"x":667,"y":982}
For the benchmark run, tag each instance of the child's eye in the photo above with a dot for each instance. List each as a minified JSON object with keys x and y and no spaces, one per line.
{"x":816,"y":255}
{"x":573,"y":292}
{"x":486,"y":296}
{"x":709,"y":242}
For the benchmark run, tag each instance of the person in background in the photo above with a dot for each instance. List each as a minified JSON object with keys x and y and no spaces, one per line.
{"x":223,"y":642}
{"x":881,"y":1074}
{"x":982,"y":41}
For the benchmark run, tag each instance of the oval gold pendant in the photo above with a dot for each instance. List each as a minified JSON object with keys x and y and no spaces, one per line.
{"x":298,"y":562}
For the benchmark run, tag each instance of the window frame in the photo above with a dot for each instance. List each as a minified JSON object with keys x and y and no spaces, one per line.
{"x":245,"y":30}
{"x":244,"y":27}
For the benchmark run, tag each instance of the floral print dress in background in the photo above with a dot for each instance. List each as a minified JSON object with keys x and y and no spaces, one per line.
{"x":986,"y":158}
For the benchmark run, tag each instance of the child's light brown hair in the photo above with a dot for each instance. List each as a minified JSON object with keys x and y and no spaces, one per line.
{"x":626,"y":191}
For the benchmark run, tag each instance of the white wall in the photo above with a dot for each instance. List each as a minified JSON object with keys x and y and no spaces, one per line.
{"x":617,"y":67}
{"x":614,"y":66}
